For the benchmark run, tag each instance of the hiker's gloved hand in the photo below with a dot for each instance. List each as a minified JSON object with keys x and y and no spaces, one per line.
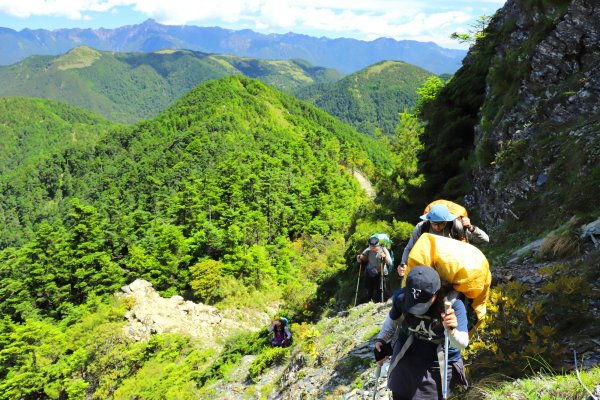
{"x":449,"y":320}
{"x":359,"y":257}
{"x":402,"y":270}
{"x":382,"y":351}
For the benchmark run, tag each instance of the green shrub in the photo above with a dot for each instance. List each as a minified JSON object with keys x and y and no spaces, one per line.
{"x":269,"y":357}
{"x":520,"y":327}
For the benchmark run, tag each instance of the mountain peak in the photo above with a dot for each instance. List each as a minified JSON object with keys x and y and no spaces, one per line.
{"x":78,"y":57}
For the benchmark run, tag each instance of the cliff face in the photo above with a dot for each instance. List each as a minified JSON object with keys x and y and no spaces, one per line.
{"x":542,"y":126}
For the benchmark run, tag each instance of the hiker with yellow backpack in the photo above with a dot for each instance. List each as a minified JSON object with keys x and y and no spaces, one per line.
{"x":443,"y":218}
{"x":426,"y":361}
{"x":446,"y":280}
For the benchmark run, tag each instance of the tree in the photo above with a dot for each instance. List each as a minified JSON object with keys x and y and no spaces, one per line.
{"x":91,"y":268}
{"x":475,"y":33}
{"x":426,"y":94}
{"x":205,"y":278}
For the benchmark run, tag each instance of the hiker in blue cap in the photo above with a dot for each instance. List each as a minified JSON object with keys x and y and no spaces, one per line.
{"x":440,"y":221}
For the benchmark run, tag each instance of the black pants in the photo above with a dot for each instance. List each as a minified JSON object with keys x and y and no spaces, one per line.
{"x":373,"y":286}
{"x":427,"y":384}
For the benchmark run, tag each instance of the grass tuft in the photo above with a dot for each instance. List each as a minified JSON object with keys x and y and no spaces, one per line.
{"x":564,"y":242}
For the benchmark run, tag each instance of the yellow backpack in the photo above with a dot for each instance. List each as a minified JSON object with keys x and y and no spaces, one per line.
{"x":459,"y":263}
{"x":454,"y":208}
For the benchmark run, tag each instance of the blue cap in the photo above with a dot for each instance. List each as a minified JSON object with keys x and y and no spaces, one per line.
{"x":439,"y":213}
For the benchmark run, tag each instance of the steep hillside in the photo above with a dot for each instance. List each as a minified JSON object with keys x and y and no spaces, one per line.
{"x":346,"y":55}
{"x":519,"y":120}
{"x":371,"y":98}
{"x":128,"y":87}
{"x":34,"y":135}
{"x":233,"y":173}
{"x":545,"y":136}
{"x":32,"y":130}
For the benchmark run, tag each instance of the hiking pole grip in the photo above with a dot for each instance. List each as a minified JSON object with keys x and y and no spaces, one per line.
{"x":447,"y":307}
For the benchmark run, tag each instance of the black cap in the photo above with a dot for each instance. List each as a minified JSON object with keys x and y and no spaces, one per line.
{"x":421,"y":284}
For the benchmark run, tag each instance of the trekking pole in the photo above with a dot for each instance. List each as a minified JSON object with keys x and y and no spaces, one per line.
{"x":377,"y":375}
{"x":447,"y":307}
{"x":357,"y":283}
{"x":381,"y":268}
{"x":464,"y":231}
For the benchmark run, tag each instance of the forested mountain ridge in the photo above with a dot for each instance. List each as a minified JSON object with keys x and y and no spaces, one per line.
{"x":34,"y":133}
{"x":371,"y":98}
{"x":238,"y":195}
{"x":128,"y":87}
{"x":49,"y":126}
{"x":346,"y":55}
{"x":232,"y":167}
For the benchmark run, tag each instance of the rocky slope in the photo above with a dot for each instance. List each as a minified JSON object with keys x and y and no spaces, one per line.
{"x":548,"y":120}
{"x":341,"y":367}
{"x":152,"y":314}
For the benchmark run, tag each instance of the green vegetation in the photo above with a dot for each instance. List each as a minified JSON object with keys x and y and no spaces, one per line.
{"x":128,"y":87}
{"x":94,"y":359}
{"x":274,"y":355}
{"x":238,"y":195}
{"x":449,"y":122}
{"x":371,"y":99}
{"x":234,"y":172}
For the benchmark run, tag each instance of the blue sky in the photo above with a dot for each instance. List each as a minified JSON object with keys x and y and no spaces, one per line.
{"x":423,"y":20}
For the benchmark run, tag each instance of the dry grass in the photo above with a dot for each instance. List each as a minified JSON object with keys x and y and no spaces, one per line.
{"x":563,"y":242}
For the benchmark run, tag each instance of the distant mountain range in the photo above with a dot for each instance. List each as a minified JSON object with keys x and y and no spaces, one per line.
{"x":128,"y":87}
{"x":345,"y":55}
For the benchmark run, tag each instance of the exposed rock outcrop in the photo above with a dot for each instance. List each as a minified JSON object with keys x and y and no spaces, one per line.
{"x":152,"y":313}
{"x":560,"y":93}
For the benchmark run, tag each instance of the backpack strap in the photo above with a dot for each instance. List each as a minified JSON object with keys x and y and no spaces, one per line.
{"x":425,"y":227}
{"x":405,"y":347}
{"x":457,"y":231}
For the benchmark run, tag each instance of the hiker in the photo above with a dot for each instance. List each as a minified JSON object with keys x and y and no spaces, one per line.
{"x":440,"y":221}
{"x":372,"y":257}
{"x":417,"y":361}
{"x":282,"y":336}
